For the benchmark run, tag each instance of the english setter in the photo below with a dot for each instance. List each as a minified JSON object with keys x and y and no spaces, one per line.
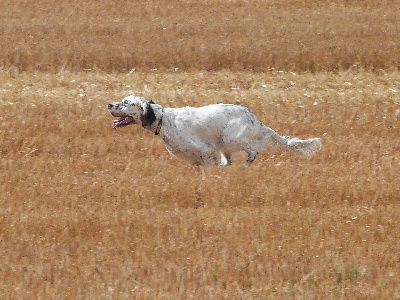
{"x":207,"y":135}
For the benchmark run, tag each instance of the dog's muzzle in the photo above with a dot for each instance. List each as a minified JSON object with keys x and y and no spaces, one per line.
{"x":122,"y":120}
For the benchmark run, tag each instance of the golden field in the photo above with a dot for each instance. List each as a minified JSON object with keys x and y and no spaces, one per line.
{"x":87,"y":212}
{"x":295,"y":35}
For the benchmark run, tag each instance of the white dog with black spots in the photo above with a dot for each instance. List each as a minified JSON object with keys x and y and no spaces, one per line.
{"x":207,"y":135}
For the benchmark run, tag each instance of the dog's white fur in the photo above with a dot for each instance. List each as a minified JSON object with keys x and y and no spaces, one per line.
{"x":207,"y":135}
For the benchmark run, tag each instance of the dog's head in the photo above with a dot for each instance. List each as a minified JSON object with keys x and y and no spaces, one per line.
{"x":132,"y":110}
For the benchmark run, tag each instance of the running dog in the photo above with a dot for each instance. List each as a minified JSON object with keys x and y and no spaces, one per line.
{"x":207,"y":135}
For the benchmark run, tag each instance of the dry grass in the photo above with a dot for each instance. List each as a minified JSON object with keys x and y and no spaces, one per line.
{"x":91,"y":213}
{"x":88,"y":212}
{"x":190,"y":35}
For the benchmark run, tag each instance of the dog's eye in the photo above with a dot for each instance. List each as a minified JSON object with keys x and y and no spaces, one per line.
{"x":125,"y":103}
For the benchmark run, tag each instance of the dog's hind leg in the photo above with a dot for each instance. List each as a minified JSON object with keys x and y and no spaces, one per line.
{"x":251,"y":156}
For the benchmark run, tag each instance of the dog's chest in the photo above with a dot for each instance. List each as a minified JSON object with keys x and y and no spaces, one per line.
{"x":183,"y":140}
{"x":174,"y":140}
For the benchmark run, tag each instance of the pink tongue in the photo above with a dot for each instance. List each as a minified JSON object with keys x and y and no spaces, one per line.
{"x":116,"y":123}
{"x":123,"y":121}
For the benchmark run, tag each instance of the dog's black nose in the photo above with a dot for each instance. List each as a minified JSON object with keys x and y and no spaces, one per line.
{"x":110,"y":106}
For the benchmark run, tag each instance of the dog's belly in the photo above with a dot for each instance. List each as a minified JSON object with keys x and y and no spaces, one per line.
{"x":189,"y":146}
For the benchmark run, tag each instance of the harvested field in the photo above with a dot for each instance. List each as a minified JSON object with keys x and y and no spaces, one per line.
{"x":293,"y":35}
{"x":87,"y":212}
{"x":90,"y":212}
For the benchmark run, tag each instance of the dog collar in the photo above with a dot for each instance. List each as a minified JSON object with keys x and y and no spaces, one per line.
{"x":158,"y":128}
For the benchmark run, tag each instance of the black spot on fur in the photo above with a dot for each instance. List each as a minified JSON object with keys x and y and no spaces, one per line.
{"x":149,"y":117}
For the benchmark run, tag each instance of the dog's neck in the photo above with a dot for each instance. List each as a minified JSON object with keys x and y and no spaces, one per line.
{"x":158,"y":128}
{"x":156,"y":125}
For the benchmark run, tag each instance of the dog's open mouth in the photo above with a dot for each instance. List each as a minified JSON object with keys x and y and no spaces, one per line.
{"x":123,"y":121}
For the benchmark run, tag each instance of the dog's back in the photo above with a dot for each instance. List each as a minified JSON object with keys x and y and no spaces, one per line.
{"x":207,"y":119}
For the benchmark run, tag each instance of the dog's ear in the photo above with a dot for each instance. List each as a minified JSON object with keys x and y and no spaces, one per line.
{"x":148,"y":116}
{"x":152,"y":102}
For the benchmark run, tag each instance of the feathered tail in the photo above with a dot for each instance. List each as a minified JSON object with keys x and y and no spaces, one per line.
{"x":301,"y":147}
{"x":305,"y":147}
